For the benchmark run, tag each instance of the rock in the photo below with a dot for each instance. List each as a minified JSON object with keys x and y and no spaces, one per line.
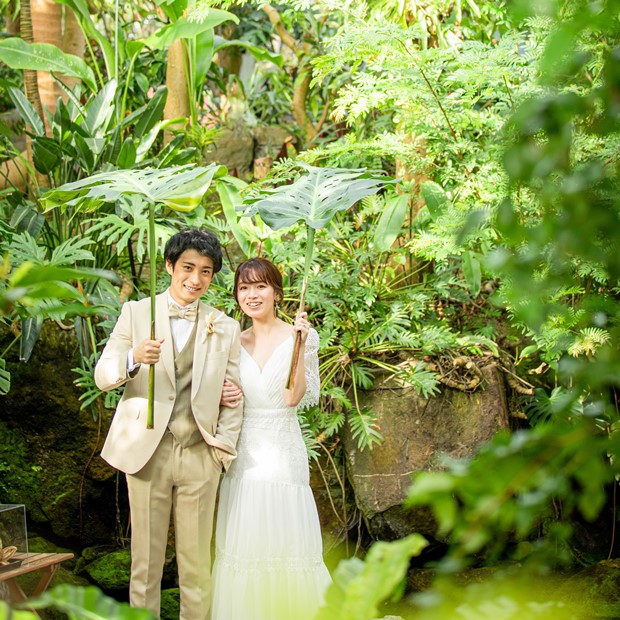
{"x":233,"y":148}
{"x":417,"y":433}
{"x":111,"y":571}
{"x":597,"y":588}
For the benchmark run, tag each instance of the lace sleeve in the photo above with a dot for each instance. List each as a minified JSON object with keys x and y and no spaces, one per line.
{"x":311,"y":366}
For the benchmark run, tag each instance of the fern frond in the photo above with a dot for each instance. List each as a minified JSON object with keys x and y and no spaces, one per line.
{"x":364,"y":428}
{"x":589,"y":341}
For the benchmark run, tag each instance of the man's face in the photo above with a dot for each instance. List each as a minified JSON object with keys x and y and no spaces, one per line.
{"x":191,"y":276}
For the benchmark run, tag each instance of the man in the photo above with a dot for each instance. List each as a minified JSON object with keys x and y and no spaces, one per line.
{"x":174,"y":467}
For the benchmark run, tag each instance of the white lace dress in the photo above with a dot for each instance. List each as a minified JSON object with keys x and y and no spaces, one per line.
{"x":268,"y":561}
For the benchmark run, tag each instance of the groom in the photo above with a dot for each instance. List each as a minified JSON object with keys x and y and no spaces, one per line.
{"x":174,"y":467}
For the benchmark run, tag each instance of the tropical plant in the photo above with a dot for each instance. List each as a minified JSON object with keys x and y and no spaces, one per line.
{"x":36,"y":290}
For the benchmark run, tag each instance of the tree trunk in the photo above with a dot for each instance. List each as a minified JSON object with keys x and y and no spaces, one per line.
{"x":73,"y":42}
{"x":30,"y":77}
{"x":177,"y":103}
{"x":47,"y":26}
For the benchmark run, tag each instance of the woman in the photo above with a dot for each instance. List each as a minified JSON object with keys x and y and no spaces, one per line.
{"x":269,"y":563}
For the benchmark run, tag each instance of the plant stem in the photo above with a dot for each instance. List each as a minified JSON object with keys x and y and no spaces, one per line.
{"x":153,"y":266}
{"x":290,"y":382}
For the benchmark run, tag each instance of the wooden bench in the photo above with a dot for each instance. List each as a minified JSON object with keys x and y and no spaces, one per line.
{"x":44,"y":563}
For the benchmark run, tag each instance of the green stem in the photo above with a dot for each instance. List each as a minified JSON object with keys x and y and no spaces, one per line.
{"x":153,"y":265}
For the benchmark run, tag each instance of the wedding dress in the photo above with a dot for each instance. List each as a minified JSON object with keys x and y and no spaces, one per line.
{"x":268,"y":561}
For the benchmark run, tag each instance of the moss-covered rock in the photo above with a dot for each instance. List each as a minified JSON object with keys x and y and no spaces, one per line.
{"x":111,"y":571}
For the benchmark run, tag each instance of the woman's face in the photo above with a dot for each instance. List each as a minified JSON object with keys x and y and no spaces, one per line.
{"x":256,"y":299}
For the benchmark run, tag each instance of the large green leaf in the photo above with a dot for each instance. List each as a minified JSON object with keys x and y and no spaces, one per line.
{"x":152,"y":113}
{"x":30,"y":283}
{"x":27,"y":111}
{"x":434,"y":197}
{"x":472,"y":272}
{"x":88,"y":602}
{"x":100,"y":109}
{"x":5,"y":378}
{"x":18,"y":54}
{"x":30,"y":330}
{"x":247,"y":233}
{"x":259,"y":52}
{"x":316,"y":197}
{"x":27,"y":219}
{"x":47,"y":154}
{"x":359,"y":587}
{"x":180,"y":188}
{"x":82,"y":12}
{"x":185,"y":29}
{"x":391,"y":222}
{"x":203,"y":58}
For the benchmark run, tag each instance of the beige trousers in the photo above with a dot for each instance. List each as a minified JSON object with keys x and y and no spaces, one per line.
{"x":184,"y":482}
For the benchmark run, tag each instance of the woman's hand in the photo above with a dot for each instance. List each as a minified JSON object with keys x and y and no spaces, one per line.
{"x":231,"y":395}
{"x":302,"y":325}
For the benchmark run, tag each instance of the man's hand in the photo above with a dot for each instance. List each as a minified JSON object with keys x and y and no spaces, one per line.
{"x":148,"y":351}
{"x":231,"y":395}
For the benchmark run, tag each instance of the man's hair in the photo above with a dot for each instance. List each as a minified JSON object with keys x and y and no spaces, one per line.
{"x":204,"y":242}
{"x":259,"y":270}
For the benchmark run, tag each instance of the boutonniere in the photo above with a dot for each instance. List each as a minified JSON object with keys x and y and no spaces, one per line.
{"x":210,"y":322}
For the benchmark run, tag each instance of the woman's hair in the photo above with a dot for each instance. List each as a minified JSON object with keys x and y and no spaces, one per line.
{"x":259,"y":270}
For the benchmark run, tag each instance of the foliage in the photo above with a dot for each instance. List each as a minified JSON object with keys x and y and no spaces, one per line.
{"x":510,"y":488}
{"x":359,"y":587}
{"x":89,"y":602}
{"x":550,"y":245}
{"x":314,"y":198}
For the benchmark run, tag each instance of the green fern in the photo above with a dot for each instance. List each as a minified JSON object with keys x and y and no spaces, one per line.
{"x":589,"y":341}
{"x":364,"y":428}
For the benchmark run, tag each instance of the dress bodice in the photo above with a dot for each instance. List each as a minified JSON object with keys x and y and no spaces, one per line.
{"x":262,"y":388}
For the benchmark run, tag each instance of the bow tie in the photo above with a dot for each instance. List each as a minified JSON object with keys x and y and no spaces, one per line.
{"x":189,"y":312}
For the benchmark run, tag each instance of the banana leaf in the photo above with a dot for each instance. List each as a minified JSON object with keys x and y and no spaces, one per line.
{"x":18,"y":54}
{"x":314,"y":199}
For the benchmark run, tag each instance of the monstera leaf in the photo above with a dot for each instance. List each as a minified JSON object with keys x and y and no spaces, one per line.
{"x":180,"y":188}
{"x":314,"y":199}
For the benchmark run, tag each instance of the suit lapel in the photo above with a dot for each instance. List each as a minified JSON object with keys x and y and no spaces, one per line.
{"x":204,"y":343}
{"x":162,"y":330}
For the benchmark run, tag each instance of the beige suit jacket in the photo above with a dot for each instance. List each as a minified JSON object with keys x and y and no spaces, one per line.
{"x":129,"y":444}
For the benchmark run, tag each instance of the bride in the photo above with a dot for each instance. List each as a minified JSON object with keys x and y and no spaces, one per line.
{"x":268,"y":561}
